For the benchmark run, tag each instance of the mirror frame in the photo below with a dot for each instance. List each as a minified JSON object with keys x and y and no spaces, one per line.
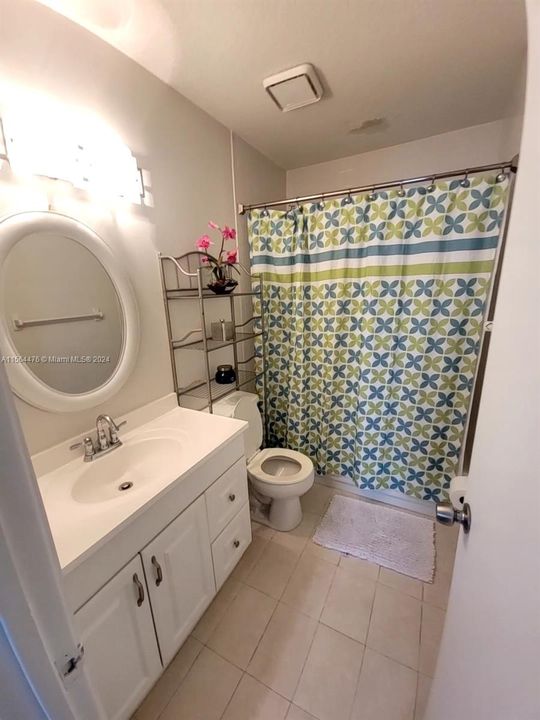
{"x":23,"y":382}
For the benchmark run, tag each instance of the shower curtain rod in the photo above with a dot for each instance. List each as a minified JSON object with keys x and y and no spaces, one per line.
{"x":509,"y":165}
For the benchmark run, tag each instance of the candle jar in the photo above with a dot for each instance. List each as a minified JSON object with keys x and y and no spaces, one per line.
{"x":225,"y":374}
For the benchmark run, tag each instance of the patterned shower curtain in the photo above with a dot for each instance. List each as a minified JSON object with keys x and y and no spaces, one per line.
{"x":374,"y":312}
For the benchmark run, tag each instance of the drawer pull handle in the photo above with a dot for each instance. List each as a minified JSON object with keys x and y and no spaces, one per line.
{"x":159,"y":571}
{"x":232,"y":497}
{"x":140,"y":590}
{"x":236,"y":543}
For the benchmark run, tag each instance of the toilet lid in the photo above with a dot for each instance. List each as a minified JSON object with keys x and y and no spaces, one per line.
{"x":305,"y":470}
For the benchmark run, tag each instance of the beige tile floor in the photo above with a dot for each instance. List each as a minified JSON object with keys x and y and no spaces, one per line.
{"x":299,"y":632}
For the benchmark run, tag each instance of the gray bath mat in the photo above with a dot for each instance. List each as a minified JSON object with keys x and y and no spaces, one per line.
{"x":383,"y":535}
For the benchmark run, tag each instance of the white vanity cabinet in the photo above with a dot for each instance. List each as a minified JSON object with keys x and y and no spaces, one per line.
{"x":117,"y":632}
{"x":151,"y":605}
{"x":180,"y":577}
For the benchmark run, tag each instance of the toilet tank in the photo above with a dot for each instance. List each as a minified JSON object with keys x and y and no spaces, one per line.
{"x":243,"y":406}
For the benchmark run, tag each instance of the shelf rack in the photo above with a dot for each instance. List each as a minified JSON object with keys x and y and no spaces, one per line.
{"x":187,"y":268}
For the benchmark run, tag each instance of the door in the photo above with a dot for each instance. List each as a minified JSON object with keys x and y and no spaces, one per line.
{"x":37,"y":634}
{"x":178,"y":565}
{"x":489,"y":662}
{"x":121,"y":652}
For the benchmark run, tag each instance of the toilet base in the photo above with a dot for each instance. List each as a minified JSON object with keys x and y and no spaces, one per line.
{"x":280,"y":519}
{"x":285,"y":513}
{"x":283,"y":520}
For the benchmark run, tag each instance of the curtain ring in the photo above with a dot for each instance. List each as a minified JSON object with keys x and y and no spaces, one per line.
{"x":320,"y":204}
{"x":501,"y":176}
{"x":372,"y":195}
{"x":465,"y":182}
{"x":348,"y":199}
{"x":401,"y":191}
{"x":431,"y":187}
{"x":265,"y":212}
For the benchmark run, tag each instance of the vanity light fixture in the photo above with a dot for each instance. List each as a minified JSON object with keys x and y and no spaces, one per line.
{"x":49,"y":142}
{"x":294,"y":88}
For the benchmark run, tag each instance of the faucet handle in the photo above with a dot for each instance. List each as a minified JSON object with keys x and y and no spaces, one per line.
{"x":89,"y":449}
{"x":115,"y":427}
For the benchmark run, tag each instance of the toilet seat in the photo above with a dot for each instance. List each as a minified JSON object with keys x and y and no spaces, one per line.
{"x":303,"y":463}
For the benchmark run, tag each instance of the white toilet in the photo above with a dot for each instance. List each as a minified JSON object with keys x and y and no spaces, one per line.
{"x":280,"y":475}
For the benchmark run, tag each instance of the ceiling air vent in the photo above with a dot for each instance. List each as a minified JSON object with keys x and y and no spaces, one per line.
{"x":294,"y":88}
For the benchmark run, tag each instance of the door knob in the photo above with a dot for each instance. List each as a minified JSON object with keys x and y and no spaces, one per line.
{"x":446,"y":514}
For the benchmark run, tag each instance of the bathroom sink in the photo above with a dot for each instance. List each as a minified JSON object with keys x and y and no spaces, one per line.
{"x":144,"y":459}
{"x":85,"y":503}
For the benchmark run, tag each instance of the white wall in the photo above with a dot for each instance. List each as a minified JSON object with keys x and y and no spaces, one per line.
{"x":478,"y":145}
{"x":255,"y":182}
{"x":187,"y":155}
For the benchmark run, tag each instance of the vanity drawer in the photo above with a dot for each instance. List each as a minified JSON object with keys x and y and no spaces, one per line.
{"x":225,"y":497}
{"x":229,"y":547}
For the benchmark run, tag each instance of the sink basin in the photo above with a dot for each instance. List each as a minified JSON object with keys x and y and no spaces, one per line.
{"x":144,"y":459}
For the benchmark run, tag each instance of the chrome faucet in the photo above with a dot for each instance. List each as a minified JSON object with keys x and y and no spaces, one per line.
{"x":105,"y":442}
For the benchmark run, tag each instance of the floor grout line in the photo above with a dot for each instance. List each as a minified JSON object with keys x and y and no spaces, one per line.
{"x":416,"y":695}
{"x":232,"y":695}
{"x":177,"y":688}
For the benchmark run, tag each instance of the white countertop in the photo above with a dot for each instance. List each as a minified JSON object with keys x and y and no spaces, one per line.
{"x":78,"y":528}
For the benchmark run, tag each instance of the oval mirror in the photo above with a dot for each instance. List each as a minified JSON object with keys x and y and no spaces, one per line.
{"x":69,"y":327}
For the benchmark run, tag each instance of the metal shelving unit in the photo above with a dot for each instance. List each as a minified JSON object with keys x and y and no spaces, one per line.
{"x":186,"y":269}
{"x":213,"y":344}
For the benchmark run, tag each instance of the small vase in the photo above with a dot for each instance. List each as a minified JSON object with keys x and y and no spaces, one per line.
{"x":222,"y":288}
{"x":224,"y":283}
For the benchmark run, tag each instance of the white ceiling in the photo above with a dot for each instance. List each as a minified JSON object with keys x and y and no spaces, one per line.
{"x":425,"y":66}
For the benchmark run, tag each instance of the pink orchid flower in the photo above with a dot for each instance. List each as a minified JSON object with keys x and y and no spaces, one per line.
{"x":229,"y":233}
{"x":232,"y":256}
{"x":213,"y":225}
{"x":205,"y":260}
{"x":204,"y":242}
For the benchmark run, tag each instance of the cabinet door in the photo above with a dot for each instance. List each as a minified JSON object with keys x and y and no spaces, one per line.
{"x":121,"y":653}
{"x":178,"y":566}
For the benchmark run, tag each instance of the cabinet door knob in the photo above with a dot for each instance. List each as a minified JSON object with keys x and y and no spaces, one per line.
{"x":236,"y":543}
{"x":232,"y":497}
{"x":140,"y":590}
{"x":159,"y":571}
